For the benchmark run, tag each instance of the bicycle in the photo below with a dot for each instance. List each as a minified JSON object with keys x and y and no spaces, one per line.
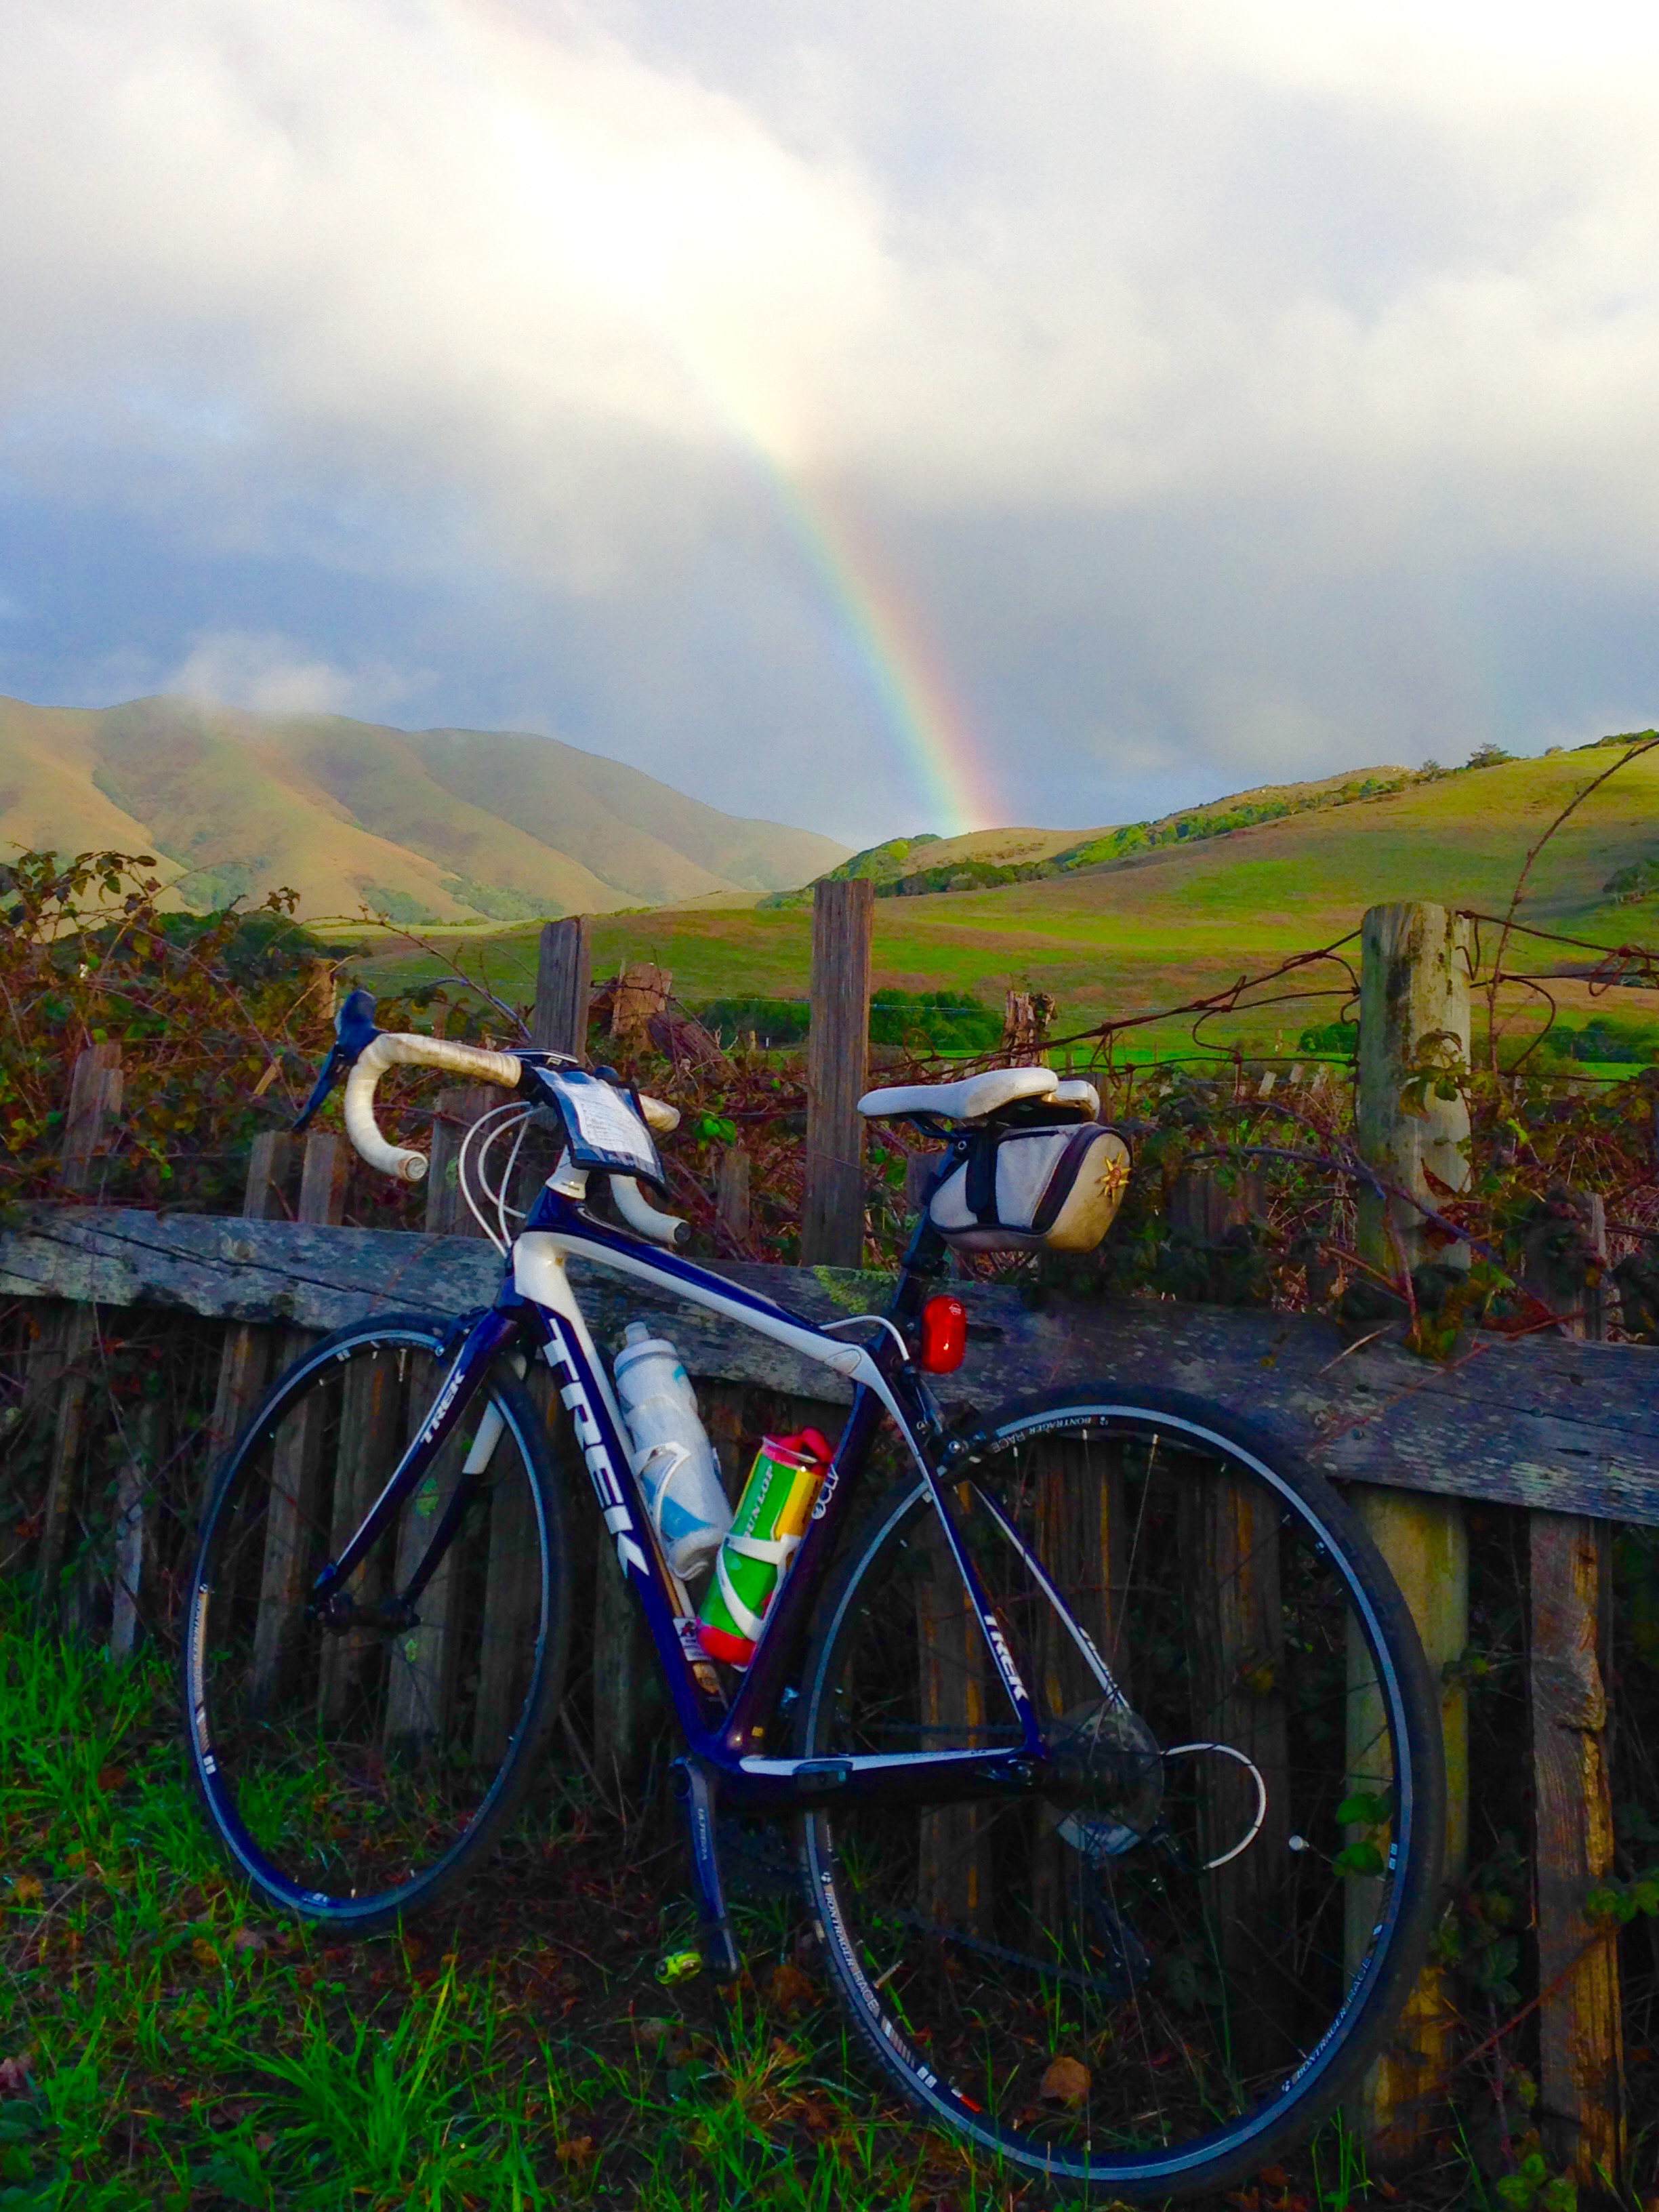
{"x":1107,"y":1738}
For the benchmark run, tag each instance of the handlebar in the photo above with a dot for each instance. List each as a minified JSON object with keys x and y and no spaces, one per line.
{"x":644,"y":1218}
{"x":369,"y":1052}
{"x":389,"y":1050}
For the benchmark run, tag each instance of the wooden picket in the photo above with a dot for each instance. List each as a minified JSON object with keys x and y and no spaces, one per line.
{"x":1580,"y":2041}
{"x":837,"y":1055}
{"x":1414,"y":1007}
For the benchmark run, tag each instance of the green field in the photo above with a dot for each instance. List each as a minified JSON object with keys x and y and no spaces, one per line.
{"x":1162,"y":926}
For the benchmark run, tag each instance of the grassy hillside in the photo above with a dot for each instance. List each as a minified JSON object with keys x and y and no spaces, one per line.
{"x":1160,"y":924}
{"x":451,"y":825}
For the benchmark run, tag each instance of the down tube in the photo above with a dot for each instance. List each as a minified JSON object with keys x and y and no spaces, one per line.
{"x":623,"y":1508}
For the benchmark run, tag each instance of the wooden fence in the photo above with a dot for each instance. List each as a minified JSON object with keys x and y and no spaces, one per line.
{"x":1560,"y":1428}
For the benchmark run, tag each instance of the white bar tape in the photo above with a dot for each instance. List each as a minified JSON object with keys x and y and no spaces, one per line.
{"x":644,"y":1218}
{"x":393,"y":1050}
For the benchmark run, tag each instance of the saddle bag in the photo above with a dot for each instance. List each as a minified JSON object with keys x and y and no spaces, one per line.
{"x":1051,"y":1189}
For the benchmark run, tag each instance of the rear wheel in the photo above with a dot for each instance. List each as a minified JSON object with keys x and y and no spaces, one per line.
{"x":1150,"y":1982}
{"x":354,"y":1768}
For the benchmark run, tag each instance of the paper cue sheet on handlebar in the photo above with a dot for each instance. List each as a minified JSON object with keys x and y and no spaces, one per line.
{"x":605,"y":1130}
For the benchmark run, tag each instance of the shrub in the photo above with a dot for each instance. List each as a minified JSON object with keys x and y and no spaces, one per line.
{"x":942,"y":1021}
{"x":1619,"y":1043}
{"x":773,"y":1021}
{"x":1639,"y":881}
{"x":222,"y":1019}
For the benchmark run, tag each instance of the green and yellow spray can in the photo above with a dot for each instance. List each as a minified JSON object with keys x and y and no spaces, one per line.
{"x":768,"y":1524}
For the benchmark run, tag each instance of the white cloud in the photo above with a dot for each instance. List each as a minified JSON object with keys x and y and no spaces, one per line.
{"x":274,"y":675}
{"x":1212,"y":368}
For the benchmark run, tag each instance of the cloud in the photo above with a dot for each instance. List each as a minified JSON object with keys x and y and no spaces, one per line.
{"x":1233,"y":387}
{"x":273,"y":675}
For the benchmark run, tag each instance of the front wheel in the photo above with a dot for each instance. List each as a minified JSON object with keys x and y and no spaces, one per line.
{"x":354,"y":1766}
{"x":1150,"y":1982}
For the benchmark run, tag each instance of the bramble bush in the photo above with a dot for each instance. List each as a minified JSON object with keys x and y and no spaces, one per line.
{"x":213,"y":1015}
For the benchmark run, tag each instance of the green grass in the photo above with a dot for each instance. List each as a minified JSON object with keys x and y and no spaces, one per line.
{"x":185,"y":2053}
{"x":1161,"y":926}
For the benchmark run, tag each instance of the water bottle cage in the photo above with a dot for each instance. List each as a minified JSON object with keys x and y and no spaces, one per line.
{"x":680,"y":1459}
{"x":775,"y":1551}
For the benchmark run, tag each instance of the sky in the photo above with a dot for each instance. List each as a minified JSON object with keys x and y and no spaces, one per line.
{"x":889,"y":416}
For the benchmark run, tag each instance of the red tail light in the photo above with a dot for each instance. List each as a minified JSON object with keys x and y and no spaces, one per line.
{"x":944,"y":1336}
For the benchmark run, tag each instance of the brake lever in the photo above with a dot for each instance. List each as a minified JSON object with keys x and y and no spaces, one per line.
{"x":354,"y":1032}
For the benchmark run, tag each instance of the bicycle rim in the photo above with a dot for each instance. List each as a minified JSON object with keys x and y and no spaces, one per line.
{"x":1150,"y":1982}
{"x":352,"y":1770}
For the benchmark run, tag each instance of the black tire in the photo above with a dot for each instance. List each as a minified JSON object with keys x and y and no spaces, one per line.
{"x":1214,"y":2012}
{"x":353,"y":1775}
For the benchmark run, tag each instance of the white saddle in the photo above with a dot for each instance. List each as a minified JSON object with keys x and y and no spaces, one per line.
{"x":977,"y":1096}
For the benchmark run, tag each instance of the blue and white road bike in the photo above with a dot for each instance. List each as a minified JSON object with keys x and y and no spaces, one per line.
{"x":1104,"y":1736}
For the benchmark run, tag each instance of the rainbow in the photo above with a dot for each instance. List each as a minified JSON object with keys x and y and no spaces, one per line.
{"x":877,"y":620}
{"x":913,"y":694}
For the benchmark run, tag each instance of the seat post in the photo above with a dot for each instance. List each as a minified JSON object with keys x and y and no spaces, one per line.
{"x":922,"y":1267}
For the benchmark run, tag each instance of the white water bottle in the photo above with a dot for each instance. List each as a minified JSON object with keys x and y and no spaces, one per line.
{"x":673,"y":1456}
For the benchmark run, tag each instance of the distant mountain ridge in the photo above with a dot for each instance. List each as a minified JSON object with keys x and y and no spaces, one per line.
{"x":425,"y":825}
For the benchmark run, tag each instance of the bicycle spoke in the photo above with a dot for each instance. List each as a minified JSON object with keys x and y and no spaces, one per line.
{"x":1091,"y":1927}
{"x":356,"y":1755}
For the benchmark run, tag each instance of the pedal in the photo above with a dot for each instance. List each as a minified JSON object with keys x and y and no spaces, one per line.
{"x":694,"y":1787}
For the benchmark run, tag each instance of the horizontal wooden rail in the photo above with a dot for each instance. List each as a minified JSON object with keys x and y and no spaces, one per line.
{"x":1569,"y":1427}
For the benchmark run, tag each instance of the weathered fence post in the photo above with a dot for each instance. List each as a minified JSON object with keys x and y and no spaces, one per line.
{"x":1580,"y":2027}
{"x":447,"y":1213}
{"x":244,"y":1361}
{"x":731,"y":1214}
{"x":920,"y":1168}
{"x":510,"y":1595}
{"x":1027,"y":1018}
{"x":1580,"y":2032}
{"x":837,"y":1056}
{"x":1414,"y":1007}
{"x":296,"y":1457}
{"x":325,"y":1172}
{"x":1235,"y":1635}
{"x":564,"y":980}
{"x":559,"y":1023}
{"x":94,"y":1100}
{"x":642,"y":993}
{"x":60,"y":1380}
{"x":132,"y":1485}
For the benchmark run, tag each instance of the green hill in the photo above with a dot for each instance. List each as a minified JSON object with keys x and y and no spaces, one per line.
{"x":984,"y":859}
{"x":437,"y":825}
{"x":1191,"y":912}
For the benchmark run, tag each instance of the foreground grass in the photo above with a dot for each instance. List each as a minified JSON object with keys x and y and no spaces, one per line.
{"x":173,"y":2048}
{"x":163,"y":2045}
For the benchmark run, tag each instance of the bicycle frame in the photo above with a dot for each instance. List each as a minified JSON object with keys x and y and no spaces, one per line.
{"x":727,"y":1746}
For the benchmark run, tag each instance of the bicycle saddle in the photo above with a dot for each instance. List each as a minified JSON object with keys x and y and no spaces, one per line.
{"x":977,"y":1096}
